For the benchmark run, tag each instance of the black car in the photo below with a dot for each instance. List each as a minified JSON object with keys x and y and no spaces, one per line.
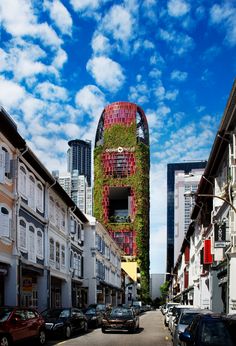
{"x":94,"y":317}
{"x":64,"y":321}
{"x":121,"y":319}
{"x":209,"y":330}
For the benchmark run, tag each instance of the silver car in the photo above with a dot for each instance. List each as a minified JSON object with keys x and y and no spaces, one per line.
{"x":186,"y":317}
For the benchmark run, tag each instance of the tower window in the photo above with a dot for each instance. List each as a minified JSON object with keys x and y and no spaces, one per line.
{"x":119,"y":204}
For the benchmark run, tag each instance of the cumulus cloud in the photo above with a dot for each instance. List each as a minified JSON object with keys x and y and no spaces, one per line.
{"x":177,"y":8}
{"x":179,"y":43}
{"x":82,"y":5}
{"x":100,"y":44}
{"x":179,"y":76}
{"x":106,"y":72}
{"x":60,"y":16}
{"x":224,"y":17}
{"x":11,"y":93}
{"x":52,"y":92}
{"x":90,"y":100}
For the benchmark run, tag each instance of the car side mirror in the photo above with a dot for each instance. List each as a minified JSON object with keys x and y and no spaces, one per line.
{"x":185,"y":337}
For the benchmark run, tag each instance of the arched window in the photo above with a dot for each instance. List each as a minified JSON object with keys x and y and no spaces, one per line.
{"x":39,"y":242}
{"x":58,"y":214}
{"x":51,"y":250}
{"x":75,"y":266}
{"x":39,"y":197}
{"x":4,"y":222}
{"x":31,"y":192}
{"x":31,"y":244}
{"x":22,"y":181}
{"x":22,"y":236}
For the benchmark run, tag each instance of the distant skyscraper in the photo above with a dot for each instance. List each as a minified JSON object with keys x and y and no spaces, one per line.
{"x":180,"y":178}
{"x":79,"y":158}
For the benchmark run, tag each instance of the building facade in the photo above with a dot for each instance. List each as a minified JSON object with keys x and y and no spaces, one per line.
{"x":121,"y":182}
{"x":204,"y":274}
{"x":79,"y":158}
{"x":180,"y":177}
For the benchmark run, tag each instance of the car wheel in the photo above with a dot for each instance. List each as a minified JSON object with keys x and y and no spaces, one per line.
{"x":42,"y":337}
{"x":67,"y":332}
{"x":132,"y":330}
{"x":103,"y":330}
{"x":85,"y":326}
{"x":4,"y":340}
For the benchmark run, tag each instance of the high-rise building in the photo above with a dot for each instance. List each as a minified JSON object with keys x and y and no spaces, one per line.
{"x":79,"y":158}
{"x":180,"y":178}
{"x":121,"y":182}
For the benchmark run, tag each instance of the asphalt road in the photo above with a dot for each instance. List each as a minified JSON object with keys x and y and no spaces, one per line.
{"x":152,"y":332}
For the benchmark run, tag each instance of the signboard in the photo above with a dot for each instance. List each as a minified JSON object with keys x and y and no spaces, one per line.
{"x":207,"y":256}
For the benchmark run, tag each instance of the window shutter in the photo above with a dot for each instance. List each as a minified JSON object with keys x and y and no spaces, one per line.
{"x":4,"y":222}
{"x":31,"y":247}
{"x":2,"y":165}
{"x":7,"y":162}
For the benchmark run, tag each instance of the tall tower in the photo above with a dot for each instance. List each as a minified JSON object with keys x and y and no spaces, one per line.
{"x":79,"y":158}
{"x":121,"y":182}
{"x":180,"y":178}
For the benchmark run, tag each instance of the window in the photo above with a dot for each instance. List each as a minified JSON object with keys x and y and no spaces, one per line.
{"x":5,"y":167}
{"x":4,"y":222}
{"x":51,"y":209}
{"x":22,"y":181}
{"x":22,"y":235}
{"x":39,"y":242}
{"x":57,"y":255}
{"x":63,"y":256}
{"x":31,"y":192}
{"x":39,"y":197}
{"x":58,"y":212}
{"x":31,"y":244}
{"x":51,"y":249}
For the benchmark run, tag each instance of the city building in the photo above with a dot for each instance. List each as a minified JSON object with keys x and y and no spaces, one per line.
{"x":121,"y":183}
{"x":79,"y":158}
{"x":204,"y":274}
{"x":40,"y":264}
{"x":102,"y":273}
{"x":180,"y":177}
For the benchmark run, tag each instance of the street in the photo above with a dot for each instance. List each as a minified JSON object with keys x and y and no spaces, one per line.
{"x":152,"y":332}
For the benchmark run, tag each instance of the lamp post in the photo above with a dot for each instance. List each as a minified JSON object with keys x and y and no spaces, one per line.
{"x":195,"y":194}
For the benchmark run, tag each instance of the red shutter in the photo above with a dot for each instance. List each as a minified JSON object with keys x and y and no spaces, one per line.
{"x":207,"y":256}
{"x":186,"y":254}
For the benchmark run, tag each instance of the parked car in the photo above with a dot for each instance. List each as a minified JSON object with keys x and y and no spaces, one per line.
{"x":183,"y":321}
{"x":18,"y":324}
{"x":174,"y":316}
{"x":94,"y":317}
{"x":208,"y":330}
{"x":64,"y":321}
{"x":120,"y":318}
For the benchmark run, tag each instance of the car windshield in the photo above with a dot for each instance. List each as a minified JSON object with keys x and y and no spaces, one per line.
{"x":4,"y":314}
{"x":91,"y":311}
{"x":187,"y":318}
{"x":56,"y":313}
{"x":117,"y":312}
{"x":215,"y":333}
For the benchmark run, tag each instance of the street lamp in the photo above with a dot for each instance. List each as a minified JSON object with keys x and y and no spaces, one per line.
{"x":195,"y":194}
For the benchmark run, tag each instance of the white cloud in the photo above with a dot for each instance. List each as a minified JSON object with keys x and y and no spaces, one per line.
{"x":90,"y":100}
{"x":51,"y":92}
{"x":106,"y":72}
{"x":118,"y":22}
{"x":81,"y":5}
{"x":179,"y":75}
{"x":224,"y":17}
{"x":60,"y":15}
{"x":11,"y":93}
{"x":179,"y":43}
{"x":31,"y":108}
{"x":177,"y":8}
{"x":100,"y":44}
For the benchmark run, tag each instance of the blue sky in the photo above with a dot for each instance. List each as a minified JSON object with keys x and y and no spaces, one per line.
{"x":62,"y":62}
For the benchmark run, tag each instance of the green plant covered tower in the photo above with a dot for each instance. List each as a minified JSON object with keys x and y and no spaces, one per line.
{"x":121,"y":183}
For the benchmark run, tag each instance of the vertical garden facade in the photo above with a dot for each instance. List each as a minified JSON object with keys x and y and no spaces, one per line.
{"x":121,"y":182}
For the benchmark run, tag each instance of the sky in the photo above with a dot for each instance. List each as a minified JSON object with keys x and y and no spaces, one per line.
{"x":63,"y":61}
